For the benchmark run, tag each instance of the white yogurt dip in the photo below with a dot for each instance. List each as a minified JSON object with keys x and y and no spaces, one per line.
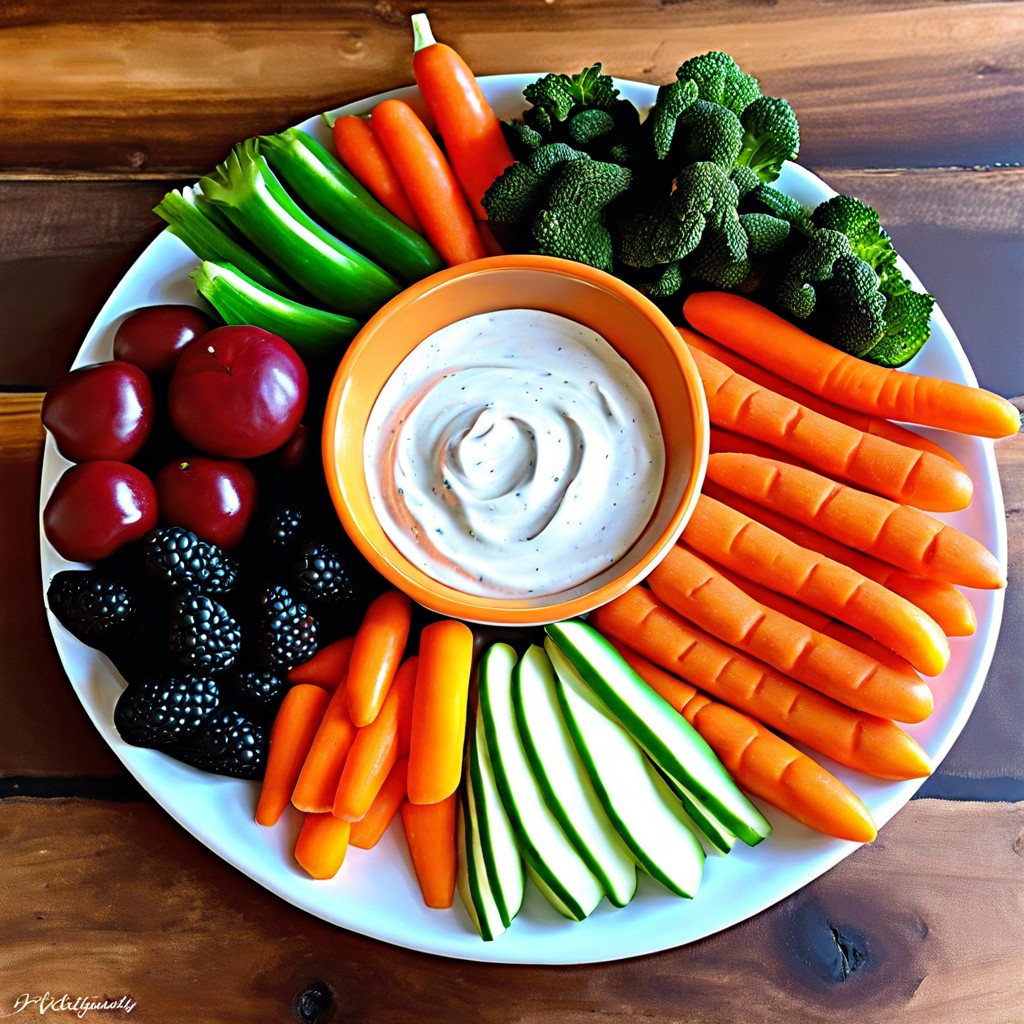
{"x":514,"y":453}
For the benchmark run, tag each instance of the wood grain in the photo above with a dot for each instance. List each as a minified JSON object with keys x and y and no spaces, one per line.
{"x":92,"y":86}
{"x":133,"y":905}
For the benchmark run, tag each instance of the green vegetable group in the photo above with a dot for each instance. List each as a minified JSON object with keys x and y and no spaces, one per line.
{"x":683,"y":200}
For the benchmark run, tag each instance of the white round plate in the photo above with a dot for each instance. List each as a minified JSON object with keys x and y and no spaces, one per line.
{"x":376,"y":893}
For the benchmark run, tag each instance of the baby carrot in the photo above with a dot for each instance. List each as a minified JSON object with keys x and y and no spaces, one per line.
{"x":699,"y":593}
{"x":374,"y":750}
{"x":904,"y":536}
{"x":775,"y":343}
{"x":862,"y":421}
{"x":376,"y":653}
{"x":327,"y":667}
{"x":367,"y":831}
{"x":439,"y":711}
{"x":318,"y":781}
{"x":291,"y":735}
{"x":361,"y":152}
{"x":723,"y":535}
{"x":942,"y":601}
{"x":903,"y":474}
{"x":430,"y":833}
{"x":761,"y":762}
{"x":322,"y":844}
{"x":865,"y":742}
{"x":473,"y":139}
{"x":428,"y":182}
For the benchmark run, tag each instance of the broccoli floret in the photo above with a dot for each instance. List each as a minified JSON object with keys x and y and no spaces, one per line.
{"x":778,"y":204}
{"x":767,"y":234}
{"x":719,"y":80}
{"x":907,"y":327}
{"x":797,"y":292}
{"x":521,"y":138}
{"x":722,"y":258}
{"x":744,"y":179}
{"x":674,"y":226}
{"x":668,"y":282}
{"x":518,"y":192}
{"x":707,"y":131}
{"x":859,"y":222}
{"x":771,"y":136}
{"x":671,"y":101}
{"x":571,"y":222}
{"x":588,"y":125}
{"x":557,"y":95}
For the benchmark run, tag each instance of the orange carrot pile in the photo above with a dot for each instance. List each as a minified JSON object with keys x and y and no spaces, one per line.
{"x":699,"y":593}
{"x":318,"y":781}
{"x":730,"y":538}
{"x":904,"y":536}
{"x":903,"y":474}
{"x":865,"y":742}
{"x":779,"y":346}
{"x":761,"y":762}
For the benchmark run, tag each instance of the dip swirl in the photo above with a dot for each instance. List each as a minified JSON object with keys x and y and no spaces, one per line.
{"x":514,"y":453}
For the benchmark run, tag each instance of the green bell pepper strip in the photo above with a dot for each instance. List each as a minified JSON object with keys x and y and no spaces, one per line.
{"x":337,"y":199}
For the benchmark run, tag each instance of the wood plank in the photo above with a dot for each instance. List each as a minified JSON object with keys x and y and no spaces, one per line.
{"x":116,"y":899}
{"x":890,"y":84}
{"x":64,"y":245}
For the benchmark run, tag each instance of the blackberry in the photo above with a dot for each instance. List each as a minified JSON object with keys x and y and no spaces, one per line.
{"x":92,"y":606}
{"x":284,"y":526}
{"x":158,"y":711}
{"x":179,"y":558}
{"x":228,"y":743}
{"x":203,"y":636}
{"x":285,"y":631}
{"x":256,"y":691}
{"x":320,"y":575}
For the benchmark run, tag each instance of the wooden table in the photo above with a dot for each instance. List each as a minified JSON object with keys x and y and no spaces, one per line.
{"x":916,"y":106}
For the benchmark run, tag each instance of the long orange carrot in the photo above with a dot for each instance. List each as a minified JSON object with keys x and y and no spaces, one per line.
{"x":322,"y":844}
{"x":761,"y":762}
{"x":294,"y":727}
{"x":439,"y":711}
{"x":376,"y":654}
{"x":428,"y":182}
{"x":907,"y":475}
{"x":822,"y":623}
{"x":728,"y":537}
{"x":698,"y":592}
{"x":430,"y":833}
{"x":327,"y":667}
{"x":862,"y":421}
{"x":904,"y":536}
{"x":473,"y":139}
{"x":318,"y":781}
{"x":374,"y":750}
{"x":942,"y":601}
{"x":722,"y":440}
{"x":361,"y":152}
{"x":783,"y":348}
{"x":865,"y":742}
{"x":367,"y":831}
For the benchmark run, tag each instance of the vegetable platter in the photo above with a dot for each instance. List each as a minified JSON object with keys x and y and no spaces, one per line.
{"x":376,"y":894}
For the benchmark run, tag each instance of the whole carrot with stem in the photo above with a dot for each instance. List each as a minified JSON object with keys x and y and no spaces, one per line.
{"x":368,"y":830}
{"x":941,"y":601}
{"x":782,"y":347}
{"x":473,"y":139}
{"x":376,"y":654}
{"x":723,"y":535}
{"x":427,"y":178}
{"x":697,"y":591}
{"x":322,"y":844}
{"x":862,"y":421}
{"x":439,"y":711}
{"x":374,"y":750}
{"x":895,"y":533}
{"x":360,"y":151}
{"x":430,"y":833}
{"x":865,"y":742}
{"x":761,"y":762}
{"x":906,"y":475}
{"x":291,"y":735}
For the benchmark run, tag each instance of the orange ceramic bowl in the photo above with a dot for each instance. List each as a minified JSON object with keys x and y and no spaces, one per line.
{"x":630,"y":323}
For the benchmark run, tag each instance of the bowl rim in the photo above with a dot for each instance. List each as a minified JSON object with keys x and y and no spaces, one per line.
{"x":495,"y":611}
